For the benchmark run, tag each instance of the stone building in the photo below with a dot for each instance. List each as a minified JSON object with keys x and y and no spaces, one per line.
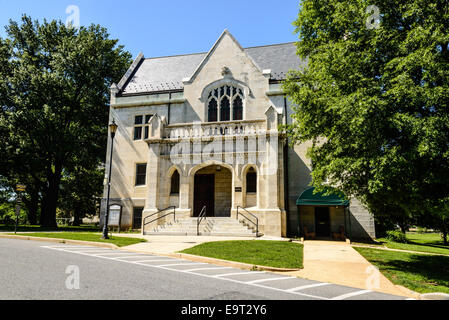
{"x":198,"y":134}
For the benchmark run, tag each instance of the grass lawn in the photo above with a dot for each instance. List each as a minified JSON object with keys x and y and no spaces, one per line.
{"x":421,"y":242}
{"x":418,"y":272}
{"x":37,"y":228}
{"x":279,"y":254}
{"x":95,"y":237}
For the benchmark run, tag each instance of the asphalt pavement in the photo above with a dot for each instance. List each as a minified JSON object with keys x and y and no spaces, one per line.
{"x":39,"y":271}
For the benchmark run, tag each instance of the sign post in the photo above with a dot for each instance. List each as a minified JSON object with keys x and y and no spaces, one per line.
{"x":19,"y":188}
{"x":115,"y":216}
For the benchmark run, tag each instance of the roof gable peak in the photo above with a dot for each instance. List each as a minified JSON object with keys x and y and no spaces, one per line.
{"x":214,"y":47}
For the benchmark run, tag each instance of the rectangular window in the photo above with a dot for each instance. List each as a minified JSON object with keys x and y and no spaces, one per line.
{"x":137,"y":133}
{"x":141,"y":174}
{"x":138,"y":120}
{"x":141,"y":128}
{"x":137,"y":217}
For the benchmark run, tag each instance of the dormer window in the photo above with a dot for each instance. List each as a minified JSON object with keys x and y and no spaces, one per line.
{"x":225,"y":102}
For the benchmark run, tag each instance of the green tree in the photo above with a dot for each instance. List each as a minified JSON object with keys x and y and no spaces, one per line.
{"x":79,"y":193}
{"x":375,"y":101}
{"x":54,"y":93}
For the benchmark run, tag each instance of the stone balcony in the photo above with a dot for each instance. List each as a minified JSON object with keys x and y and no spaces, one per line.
{"x":207,"y":130}
{"x":160,"y":132}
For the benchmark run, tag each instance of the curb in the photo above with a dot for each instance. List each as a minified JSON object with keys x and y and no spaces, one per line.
{"x":408,"y":292}
{"x":56,"y":240}
{"x":434,"y":296}
{"x":219,"y":262}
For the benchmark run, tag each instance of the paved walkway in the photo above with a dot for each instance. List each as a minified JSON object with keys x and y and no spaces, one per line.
{"x":339,"y":263}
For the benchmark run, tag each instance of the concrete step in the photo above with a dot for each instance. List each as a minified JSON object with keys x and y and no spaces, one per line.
{"x":212,"y":226}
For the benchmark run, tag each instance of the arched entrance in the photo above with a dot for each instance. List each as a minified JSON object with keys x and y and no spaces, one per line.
{"x":213,"y":190}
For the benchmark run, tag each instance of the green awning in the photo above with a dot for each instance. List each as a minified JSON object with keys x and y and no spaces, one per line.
{"x":309,"y":198}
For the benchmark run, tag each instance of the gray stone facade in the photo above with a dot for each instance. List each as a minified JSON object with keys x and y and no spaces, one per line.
{"x":174,"y":94}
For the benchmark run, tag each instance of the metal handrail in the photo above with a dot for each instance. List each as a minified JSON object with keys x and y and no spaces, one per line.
{"x":147,"y":217}
{"x":255,"y":223}
{"x":200,"y":218}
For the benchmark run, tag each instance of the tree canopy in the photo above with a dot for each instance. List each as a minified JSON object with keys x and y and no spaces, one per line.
{"x":54,"y":96}
{"x":375,"y":101}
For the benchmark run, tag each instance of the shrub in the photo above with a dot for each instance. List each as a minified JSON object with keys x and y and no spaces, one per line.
{"x":396,"y":236}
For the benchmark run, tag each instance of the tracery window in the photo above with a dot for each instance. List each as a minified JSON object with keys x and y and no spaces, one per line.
{"x":225,"y":101}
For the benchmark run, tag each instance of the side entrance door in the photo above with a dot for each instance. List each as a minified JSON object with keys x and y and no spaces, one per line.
{"x":322,"y":222}
{"x":204,"y":194}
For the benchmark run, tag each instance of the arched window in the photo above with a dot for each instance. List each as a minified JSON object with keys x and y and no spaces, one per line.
{"x":225,"y":111}
{"x":175,"y":183}
{"x":212,"y":110}
{"x":251,"y":181}
{"x":237,"y":109}
{"x":229,"y":100}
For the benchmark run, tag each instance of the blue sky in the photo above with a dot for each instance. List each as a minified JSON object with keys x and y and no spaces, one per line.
{"x":160,"y":28}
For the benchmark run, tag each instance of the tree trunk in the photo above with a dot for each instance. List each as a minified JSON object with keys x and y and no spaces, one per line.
{"x":403,"y":227}
{"x":445,"y":238}
{"x":77,"y":216}
{"x":48,"y":214}
{"x":32,"y":207}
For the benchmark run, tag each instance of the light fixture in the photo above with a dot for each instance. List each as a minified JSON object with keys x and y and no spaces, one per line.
{"x":113,"y":127}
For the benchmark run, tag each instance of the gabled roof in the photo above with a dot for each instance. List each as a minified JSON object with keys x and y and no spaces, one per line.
{"x":167,"y":73}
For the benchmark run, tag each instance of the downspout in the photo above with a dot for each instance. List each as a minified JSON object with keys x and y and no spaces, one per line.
{"x":286,"y":193}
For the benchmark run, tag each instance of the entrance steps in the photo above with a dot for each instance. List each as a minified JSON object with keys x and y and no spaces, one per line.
{"x":210,"y":226}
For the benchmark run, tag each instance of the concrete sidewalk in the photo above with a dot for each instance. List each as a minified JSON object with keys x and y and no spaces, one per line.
{"x":338,"y":262}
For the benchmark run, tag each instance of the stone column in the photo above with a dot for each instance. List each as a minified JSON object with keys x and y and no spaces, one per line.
{"x":184,"y":191}
{"x":270,"y":172}
{"x":153,"y":175}
{"x":238,"y":183}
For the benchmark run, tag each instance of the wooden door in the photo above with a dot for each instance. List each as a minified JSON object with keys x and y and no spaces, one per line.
{"x":322,"y":222}
{"x":204,"y":194}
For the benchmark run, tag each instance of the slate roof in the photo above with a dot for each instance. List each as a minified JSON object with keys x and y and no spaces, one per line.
{"x":167,"y":73}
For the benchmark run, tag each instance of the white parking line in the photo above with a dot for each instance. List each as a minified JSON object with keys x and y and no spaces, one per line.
{"x":75,"y":247}
{"x":351,"y":294}
{"x":269,"y":279}
{"x":308,"y":286}
{"x":124,"y":257}
{"x":110,"y":253}
{"x":93,"y":252}
{"x":140,"y":261}
{"x":237,"y":273}
{"x":87,"y":250}
{"x":190,"y":271}
{"x":214,"y":268}
{"x":180,"y":264}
